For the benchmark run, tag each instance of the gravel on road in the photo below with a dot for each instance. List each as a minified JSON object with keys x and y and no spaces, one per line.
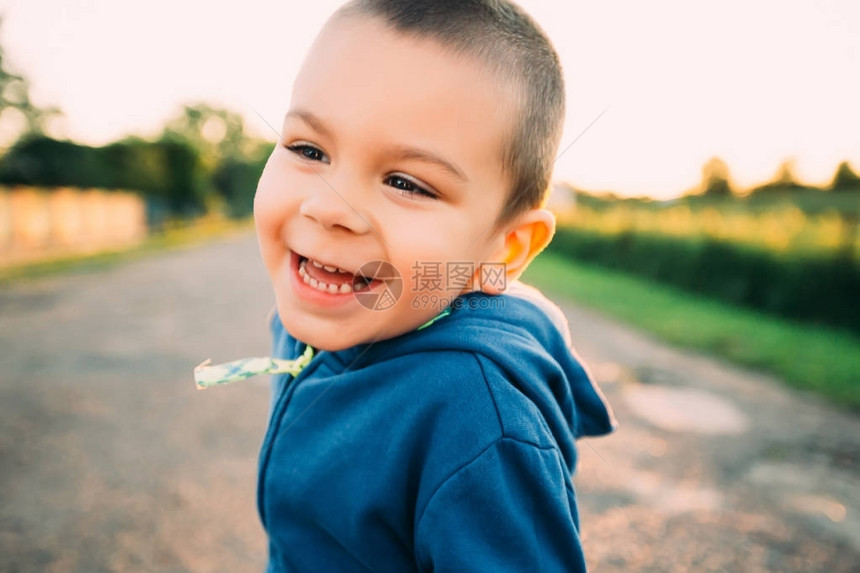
{"x":111,"y":460}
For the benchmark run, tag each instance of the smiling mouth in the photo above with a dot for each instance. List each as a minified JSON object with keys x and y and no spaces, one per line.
{"x":330,"y":279}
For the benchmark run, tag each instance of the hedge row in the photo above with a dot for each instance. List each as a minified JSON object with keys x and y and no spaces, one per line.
{"x":826,"y":291}
{"x":169,"y":173}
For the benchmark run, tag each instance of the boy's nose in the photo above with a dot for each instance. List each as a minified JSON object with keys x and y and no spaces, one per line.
{"x":333,"y":209}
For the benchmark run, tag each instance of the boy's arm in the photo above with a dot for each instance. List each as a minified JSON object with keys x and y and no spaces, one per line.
{"x":509,"y":509}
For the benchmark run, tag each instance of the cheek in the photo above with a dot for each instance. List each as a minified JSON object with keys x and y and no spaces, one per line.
{"x":263,"y":196}
{"x":437,"y":264}
{"x":272,"y":201}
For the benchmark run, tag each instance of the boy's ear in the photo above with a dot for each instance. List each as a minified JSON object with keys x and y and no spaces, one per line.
{"x":523,"y":238}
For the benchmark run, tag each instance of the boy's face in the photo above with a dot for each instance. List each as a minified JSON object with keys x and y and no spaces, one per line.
{"x":391,"y":151}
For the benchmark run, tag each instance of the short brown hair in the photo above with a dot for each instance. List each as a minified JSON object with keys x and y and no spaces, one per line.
{"x":501,"y":34}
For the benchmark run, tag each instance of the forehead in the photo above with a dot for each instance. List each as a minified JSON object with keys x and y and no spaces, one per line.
{"x":361,"y":74}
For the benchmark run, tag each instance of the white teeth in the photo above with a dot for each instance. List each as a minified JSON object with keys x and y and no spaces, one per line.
{"x":344,"y":288}
{"x":329,"y":268}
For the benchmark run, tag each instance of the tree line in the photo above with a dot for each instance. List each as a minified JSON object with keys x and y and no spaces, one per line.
{"x":204,"y":159}
{"x":716,"y":181}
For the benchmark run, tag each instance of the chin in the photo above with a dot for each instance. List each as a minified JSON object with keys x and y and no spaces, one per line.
{"x":334,"y":334}
{"x":330,"y":339}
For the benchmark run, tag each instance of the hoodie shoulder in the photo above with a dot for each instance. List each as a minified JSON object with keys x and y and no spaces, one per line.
{"x":549,"y":308}
{"x":523,"y":338}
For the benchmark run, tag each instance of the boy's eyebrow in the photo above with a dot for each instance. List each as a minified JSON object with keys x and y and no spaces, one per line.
{"x":401,"y":152}
{"x":404,"y":152}
{"x":309,"y":119}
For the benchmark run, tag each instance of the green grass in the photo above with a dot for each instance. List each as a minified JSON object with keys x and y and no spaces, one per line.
{"x":178,"y":234}
{"x":809,"y":357}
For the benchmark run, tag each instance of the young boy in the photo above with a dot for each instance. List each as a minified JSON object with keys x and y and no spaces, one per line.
{"x":430,"y":424}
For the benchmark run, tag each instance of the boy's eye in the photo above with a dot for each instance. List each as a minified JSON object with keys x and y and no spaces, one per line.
{"x":408,"y":187}
{"x":308,"y":152}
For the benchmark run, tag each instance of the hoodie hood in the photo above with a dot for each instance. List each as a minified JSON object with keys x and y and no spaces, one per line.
{"x":527,"y":337}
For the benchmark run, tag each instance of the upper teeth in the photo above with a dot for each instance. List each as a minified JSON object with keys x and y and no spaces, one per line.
{"x":323,"y":286}
{"x":326,"y":267}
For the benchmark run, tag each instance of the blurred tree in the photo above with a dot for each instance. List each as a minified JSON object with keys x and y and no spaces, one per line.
{"x":19,"y":116}
{"x":168,"y":173}
{"x":784,"y":177}
{"x":202,"y":161}
{"x":215,"y":133}
{"x":845,"y":179}
{"x":236,"y":180}
{"x":231,"y":159}
{"x":783,"y":180}
{"x":38,"y":160}
{"x":715,"y":179}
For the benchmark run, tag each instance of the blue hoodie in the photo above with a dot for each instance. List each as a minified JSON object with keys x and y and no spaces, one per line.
{"x":449,"y":448}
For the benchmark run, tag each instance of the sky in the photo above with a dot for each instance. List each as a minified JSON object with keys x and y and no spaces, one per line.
{"x":670,"y":83}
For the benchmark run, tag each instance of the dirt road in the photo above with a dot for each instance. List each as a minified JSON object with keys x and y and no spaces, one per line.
{"x":110,"y":460}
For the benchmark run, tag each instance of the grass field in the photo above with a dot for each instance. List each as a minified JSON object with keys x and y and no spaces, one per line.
{"x":820,"y":359}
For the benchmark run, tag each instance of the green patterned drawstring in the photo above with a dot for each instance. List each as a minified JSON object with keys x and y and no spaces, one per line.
{"x":206,"y":375}
{"x":445,"y":312}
